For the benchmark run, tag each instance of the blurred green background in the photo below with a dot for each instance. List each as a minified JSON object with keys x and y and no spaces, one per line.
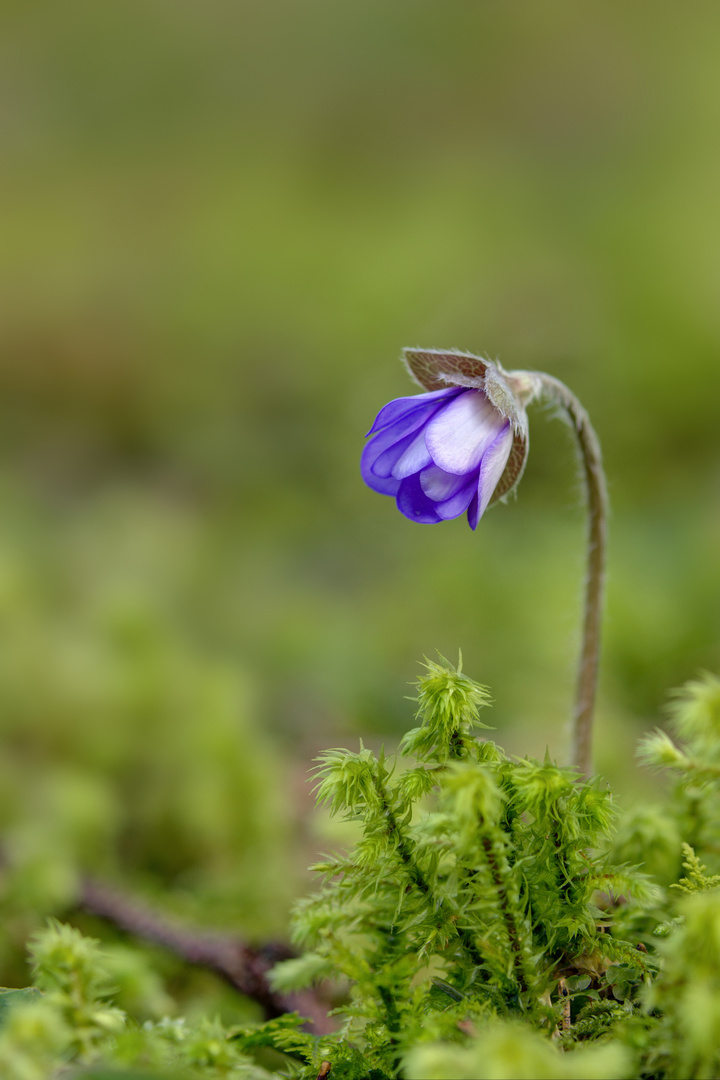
{"x":220,"y":223}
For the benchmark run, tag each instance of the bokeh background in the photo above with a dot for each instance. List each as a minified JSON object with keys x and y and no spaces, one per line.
{"x":220,"y":223}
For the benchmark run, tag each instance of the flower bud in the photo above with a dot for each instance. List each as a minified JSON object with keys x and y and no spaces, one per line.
{"x":458,"y":447}
{"x":509,"y":392}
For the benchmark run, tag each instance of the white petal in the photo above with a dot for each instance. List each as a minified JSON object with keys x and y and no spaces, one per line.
{"x":439,"y":485}
{"x":459,"y":433}
{"x":414,"y":458}
{"x":493,"y":466}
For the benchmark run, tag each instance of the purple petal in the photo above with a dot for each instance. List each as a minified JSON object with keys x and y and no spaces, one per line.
{"x":388,"y":446}
{"x":412,"y":445}
{"x":383,"y":485}
{"x":458,"y":503}
{"x":381,"y":482}
{"x":403,"y":407}
{"x":473,"y":516}
{"x":461,"y":432}
{"x":414,"y":503}
{"x":491,"y":469}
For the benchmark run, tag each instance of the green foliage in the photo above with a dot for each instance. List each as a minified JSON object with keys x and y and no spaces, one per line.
{"x":697,"y":879}
{"x":69,"y":1025}
{"x":450,"y":705}
{"x":489,"y":924}
{"x":474,"y":889}
{"x":481,"y":926}
{"x":506,"y":1051}
{"x":131,"y":753}
{"x":687,"y":992}
{"x":693,"y":760}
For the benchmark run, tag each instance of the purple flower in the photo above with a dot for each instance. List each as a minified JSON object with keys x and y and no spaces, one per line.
{"x":450,"y":450}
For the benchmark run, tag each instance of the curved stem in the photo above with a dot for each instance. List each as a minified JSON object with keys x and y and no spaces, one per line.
{"x":597,"y":505}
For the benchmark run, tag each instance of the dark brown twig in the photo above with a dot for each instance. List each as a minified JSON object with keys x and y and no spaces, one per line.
{"x":243,"y":966}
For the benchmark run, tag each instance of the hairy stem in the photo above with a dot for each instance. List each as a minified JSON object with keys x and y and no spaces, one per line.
{"x":597,"y":505}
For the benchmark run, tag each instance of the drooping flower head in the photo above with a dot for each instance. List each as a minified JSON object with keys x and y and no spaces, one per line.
{"x":458,"y":447}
